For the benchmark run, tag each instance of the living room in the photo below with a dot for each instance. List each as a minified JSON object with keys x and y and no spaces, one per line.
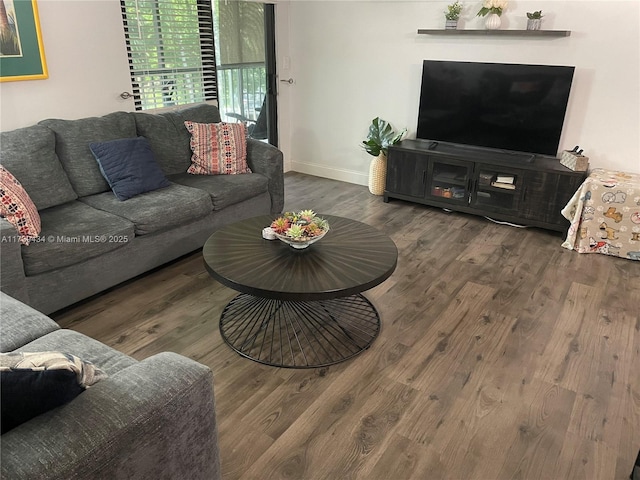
{"x":350,"y":62}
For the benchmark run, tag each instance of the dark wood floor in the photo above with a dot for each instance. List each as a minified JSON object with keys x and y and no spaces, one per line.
{"x":501,"y":356}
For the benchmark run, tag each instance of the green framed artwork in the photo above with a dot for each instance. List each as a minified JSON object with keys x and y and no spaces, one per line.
{"x":21,"y":48}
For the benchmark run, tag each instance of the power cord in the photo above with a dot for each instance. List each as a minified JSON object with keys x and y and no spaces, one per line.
{"x":448,"y":210}
{"x":506,"y":223}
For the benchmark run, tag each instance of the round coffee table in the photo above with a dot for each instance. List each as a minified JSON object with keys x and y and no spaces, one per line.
{"x":300,"y":308}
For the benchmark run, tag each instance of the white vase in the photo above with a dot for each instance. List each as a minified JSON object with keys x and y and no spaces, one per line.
{"x":451,"y":24}
{"x":378,"y":174}
{"x":493,"y":21}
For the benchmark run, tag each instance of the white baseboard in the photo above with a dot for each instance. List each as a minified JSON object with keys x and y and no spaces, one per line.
{"x":333,"y":173}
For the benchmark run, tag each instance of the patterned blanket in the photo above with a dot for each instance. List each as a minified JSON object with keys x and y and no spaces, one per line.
{"x":605,"y":215}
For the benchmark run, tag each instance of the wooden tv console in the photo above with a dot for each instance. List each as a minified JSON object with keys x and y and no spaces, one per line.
{"x":464,"y":179}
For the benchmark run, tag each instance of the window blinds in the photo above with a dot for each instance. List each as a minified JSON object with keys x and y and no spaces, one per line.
{"x":171,"y":51}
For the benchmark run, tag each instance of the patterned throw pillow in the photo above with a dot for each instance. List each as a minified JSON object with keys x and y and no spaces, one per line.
{"x":16,"y":206}
{"x":34,"y":383}
{"x":218,"y":148}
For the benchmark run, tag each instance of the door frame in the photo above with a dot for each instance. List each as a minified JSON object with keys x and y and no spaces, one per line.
{"x":271,"y":72}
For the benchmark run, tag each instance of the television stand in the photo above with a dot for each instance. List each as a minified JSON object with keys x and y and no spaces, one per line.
{"x":524,"y":189}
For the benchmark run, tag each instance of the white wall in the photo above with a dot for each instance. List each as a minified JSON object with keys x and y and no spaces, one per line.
{"x":352,"y":61}
{"x":355,"y":60}
{"x":87,"y":61}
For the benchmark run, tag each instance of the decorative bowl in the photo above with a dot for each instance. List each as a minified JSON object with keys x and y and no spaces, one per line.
{"x":299,"y":229}
{"x":299,"y":243}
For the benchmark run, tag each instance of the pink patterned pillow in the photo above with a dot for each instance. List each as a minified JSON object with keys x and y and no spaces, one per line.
{"x":16,"y":206}
{"x":218,"y":148}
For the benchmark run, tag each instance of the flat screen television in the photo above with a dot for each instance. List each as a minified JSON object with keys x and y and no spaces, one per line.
{"x":510,"y":107}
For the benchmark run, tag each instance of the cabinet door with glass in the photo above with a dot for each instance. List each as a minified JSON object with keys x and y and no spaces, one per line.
{"x":497,"y":188}
{"x":449,"y":180}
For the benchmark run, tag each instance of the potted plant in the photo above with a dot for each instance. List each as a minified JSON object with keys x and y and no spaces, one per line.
{"x":452,"y":15}
{"x":534,"y":20}
{"x":381,"y":136}
{"x":493,"y":10}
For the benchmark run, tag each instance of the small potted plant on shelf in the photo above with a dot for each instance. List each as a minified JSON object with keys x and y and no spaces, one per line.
{"x":534,"y":20}
{"x":452,"y":15}
{"x":381,"y":136}
{"x":492,"y":9}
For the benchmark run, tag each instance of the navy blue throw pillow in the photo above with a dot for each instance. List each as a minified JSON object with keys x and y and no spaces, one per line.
{"x":34,"y":383}
{"x":129,"y":166}
{"x":27,"y":394}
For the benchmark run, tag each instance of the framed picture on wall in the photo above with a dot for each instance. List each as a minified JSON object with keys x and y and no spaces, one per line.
{"x":21,"y":48}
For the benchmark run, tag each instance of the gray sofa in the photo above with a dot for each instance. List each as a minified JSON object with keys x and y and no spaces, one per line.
{"x":90,"y":240}
{"x":153,"y":419}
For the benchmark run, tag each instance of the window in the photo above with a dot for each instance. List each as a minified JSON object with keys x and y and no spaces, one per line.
{"x":171,"y":51}
{"x":240,"y":54}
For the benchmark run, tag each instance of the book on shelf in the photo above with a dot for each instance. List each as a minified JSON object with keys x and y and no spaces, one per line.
{"x":507,"y":186}
{"x":505,"y":178}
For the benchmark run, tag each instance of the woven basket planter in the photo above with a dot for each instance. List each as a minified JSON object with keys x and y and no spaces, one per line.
{"x":378,"y":174}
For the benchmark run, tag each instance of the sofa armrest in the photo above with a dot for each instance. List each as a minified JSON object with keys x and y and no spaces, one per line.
{"x":268,"y":161}
{"x":12,"y":276}
{"x":154,"y":419}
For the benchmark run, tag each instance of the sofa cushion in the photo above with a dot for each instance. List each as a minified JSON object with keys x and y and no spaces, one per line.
{"x":158,"y":210}
{"x":35,"y":382}
{"x":225,"y":190}
{"x":129,"y":166}
{"x":30,"y":154}
{"x":21,"y":324}
{"x":218,"y":148}
{"x":200,"y":113}
{"x":169,"y":138}
{"x":72,"y":146}
{"x":16,"y":206}
{"x":73,"y":233}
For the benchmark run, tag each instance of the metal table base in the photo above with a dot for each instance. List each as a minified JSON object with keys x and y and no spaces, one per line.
{"x":299,"y":334}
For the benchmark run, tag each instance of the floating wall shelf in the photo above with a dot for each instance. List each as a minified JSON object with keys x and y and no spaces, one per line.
{"x":501,"y":33}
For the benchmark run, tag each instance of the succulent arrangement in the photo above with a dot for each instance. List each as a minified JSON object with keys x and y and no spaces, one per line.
{"x":300,"y":226}
{"x":534,"y":15}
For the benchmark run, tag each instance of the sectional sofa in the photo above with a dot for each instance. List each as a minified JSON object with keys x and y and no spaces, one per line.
{"x":90,"y":240}
{"x":149,"y":419}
